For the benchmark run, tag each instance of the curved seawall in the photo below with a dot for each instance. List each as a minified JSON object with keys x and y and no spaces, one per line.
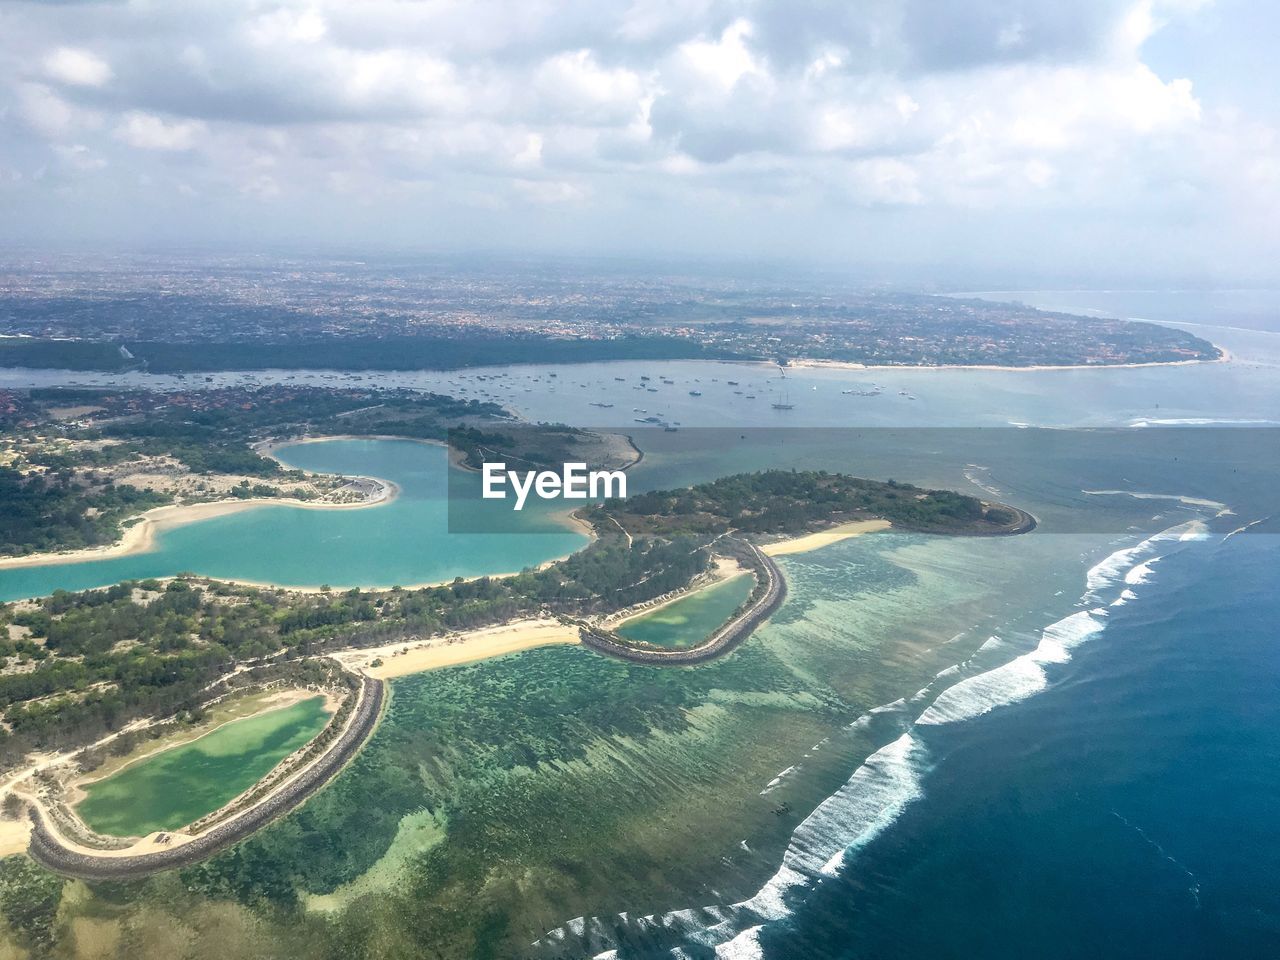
{"x":49,"y":850}
{"x":720,"y":642}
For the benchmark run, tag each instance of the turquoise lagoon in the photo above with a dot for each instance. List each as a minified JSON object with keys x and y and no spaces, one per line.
{"x":403,"y":542}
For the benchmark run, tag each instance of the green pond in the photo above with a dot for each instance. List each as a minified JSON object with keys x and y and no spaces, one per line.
{"x":690,"y":620}
{"x":411,"y":540}
{"x":178,"y":786}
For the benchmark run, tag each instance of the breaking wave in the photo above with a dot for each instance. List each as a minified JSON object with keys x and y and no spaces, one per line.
{"x":892,"y":777}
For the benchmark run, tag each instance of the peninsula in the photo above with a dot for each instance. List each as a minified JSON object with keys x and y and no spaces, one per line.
{"x":150,"y":653}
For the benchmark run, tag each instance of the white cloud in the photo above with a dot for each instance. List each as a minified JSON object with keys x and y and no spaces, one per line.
{"x":287,"y":26}
{"x":726,"y":60}
{"x":44,"y":111}
{"x":706,"y":110}
{"x":77,"y":67}
{"x":580,"y":90}
{"x":149,"y":132}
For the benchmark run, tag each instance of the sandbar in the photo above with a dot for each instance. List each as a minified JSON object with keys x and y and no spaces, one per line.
{"x":823,"y":538}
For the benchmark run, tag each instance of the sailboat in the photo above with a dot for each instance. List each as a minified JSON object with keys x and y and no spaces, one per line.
{"x":785,"y":403}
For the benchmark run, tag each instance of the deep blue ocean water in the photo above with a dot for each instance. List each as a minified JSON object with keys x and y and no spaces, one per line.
{"x":1130,"y":810}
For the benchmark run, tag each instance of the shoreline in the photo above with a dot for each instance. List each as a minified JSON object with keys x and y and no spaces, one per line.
{"x":409,"y":657}
{"x":268,"y":448}
{"x":61,"y":854}
{"x":802,"y":363}
{"x":140,"y":533}
{"x":567,"y":518}
{"x":823,"y":538}
{"x":142,"y":530}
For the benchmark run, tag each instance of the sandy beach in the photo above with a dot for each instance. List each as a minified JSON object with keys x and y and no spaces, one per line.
{"x":402,"y":659}
{"x":269,"y":448}
{"x":823,"y":538}
{"x":14,"y":836}
{"x":140,"y":534}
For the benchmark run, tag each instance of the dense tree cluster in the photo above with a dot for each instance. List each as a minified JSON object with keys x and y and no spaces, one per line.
{"x":788,"y":502}
{"x":477,"y":349}
{"x":55,"y":511}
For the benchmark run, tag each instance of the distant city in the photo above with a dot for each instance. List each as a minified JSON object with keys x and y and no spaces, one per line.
{"x":170,"y":315}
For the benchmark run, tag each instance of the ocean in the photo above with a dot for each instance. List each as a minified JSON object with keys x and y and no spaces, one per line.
{"x":1109,"y":793}
{"x":1102,"y":784}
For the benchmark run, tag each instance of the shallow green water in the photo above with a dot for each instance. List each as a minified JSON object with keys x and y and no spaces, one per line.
{"x":404,"y":542}
{"x":691,"y":619}
{"x":181,"y":785}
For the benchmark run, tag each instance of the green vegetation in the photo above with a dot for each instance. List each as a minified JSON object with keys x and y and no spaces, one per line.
{"x":525,"y":447}
{"x":55,"y":511}
{"x":501,"y":798}
{"x":792,"y":502}
{"x":210,"y":431}
{"x":105,"y":657}
{"x":62,"y":354}
{"x":59,"y":491}
{"x":571,"y":783}
{"x":180,"y":785}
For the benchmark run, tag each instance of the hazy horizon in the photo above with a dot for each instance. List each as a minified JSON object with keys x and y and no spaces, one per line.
{"x":908,"y":142}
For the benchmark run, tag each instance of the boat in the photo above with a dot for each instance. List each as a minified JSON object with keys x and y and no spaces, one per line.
{"x":695,"y":393}
{"x":784,"y":404}
{"x":597,"y":403}
{"x":732,"y":383}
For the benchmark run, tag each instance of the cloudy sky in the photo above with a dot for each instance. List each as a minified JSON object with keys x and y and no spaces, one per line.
{"x":1089,"y":138}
